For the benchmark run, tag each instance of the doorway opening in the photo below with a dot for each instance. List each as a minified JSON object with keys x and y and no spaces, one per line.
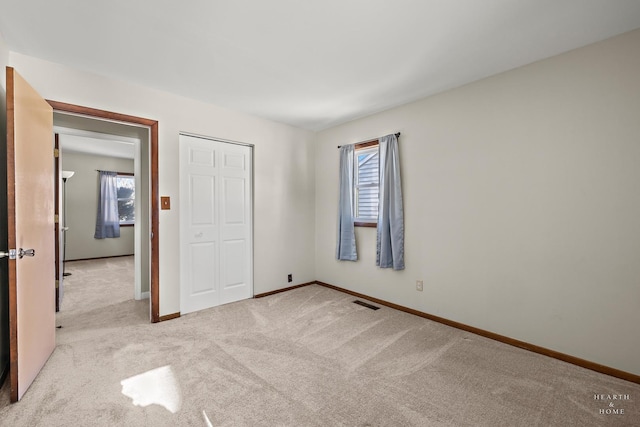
{"x":73,"y":119}
{"x":83,"y":155}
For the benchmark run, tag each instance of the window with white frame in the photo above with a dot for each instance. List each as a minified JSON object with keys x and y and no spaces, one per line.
{"x":126,"y":199}
{"x":366,"y":185}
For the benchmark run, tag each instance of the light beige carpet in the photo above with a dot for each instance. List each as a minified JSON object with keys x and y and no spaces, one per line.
{"x":307,"y":357}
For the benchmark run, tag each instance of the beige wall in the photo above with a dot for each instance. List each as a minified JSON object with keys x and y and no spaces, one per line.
{"x":520,"y":195}
{"x":81,"y":207}
{"x":521,"y":201}
{"x":283,"y":166}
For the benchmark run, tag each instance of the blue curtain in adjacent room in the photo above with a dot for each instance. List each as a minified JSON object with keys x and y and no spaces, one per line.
{"x":390,"y":240}
{"x":346,"y":247}
{"x":108,"y":220}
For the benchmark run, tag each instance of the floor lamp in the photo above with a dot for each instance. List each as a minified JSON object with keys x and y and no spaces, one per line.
{"x":65,"y":176}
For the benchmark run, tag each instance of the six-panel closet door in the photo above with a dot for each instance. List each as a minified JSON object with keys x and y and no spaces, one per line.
{"x":215,"y":223}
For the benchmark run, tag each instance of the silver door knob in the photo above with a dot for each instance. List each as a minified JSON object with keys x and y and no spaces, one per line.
{"x":26,"y":252}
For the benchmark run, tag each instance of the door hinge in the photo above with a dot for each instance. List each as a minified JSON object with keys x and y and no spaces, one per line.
{"x":11,"y":254}
{"x":56,"y":218}
{"x":56,"y":152}
{"x":57,"y":284}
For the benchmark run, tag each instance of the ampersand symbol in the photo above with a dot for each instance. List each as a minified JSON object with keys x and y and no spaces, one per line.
{"x":611,"y":405}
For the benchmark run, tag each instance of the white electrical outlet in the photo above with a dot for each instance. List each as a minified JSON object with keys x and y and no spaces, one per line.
{"x":419,"y":285}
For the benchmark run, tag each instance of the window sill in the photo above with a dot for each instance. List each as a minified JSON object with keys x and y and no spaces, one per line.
{"x":127,"y":225}
{"x":365,"y":224}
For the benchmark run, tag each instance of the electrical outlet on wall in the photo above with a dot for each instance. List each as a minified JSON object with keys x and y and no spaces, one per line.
{"x":290,"y":278}
{"x":419,"y":285}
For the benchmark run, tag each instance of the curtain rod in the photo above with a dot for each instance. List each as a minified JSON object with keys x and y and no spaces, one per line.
{"x":119,"y":173}
{"x":361,"y":142}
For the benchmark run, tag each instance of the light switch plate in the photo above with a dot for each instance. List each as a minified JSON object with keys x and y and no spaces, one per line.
{"x":165,"y":202}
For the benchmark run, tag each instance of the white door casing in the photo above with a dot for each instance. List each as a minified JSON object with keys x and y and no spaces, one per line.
{"x":216,"y":243}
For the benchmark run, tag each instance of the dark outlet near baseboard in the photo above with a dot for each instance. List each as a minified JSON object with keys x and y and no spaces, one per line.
{"x":290,"y":278}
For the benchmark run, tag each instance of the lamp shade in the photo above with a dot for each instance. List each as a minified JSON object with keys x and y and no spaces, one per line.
{"x":67,"y":174}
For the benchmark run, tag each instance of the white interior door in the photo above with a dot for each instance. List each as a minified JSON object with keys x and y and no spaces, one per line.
{"x":216,"y":223}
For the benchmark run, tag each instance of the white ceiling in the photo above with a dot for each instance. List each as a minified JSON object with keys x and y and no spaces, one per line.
{"x":311,"y":64}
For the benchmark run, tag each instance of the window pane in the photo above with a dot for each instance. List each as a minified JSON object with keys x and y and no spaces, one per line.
{"x":126,"y":209}
{"x":368,"y":168}
{"x":126,"y":187}
{"x":366,"y":188}
{"x":126,"y":198}
{"x":367,"y":202}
